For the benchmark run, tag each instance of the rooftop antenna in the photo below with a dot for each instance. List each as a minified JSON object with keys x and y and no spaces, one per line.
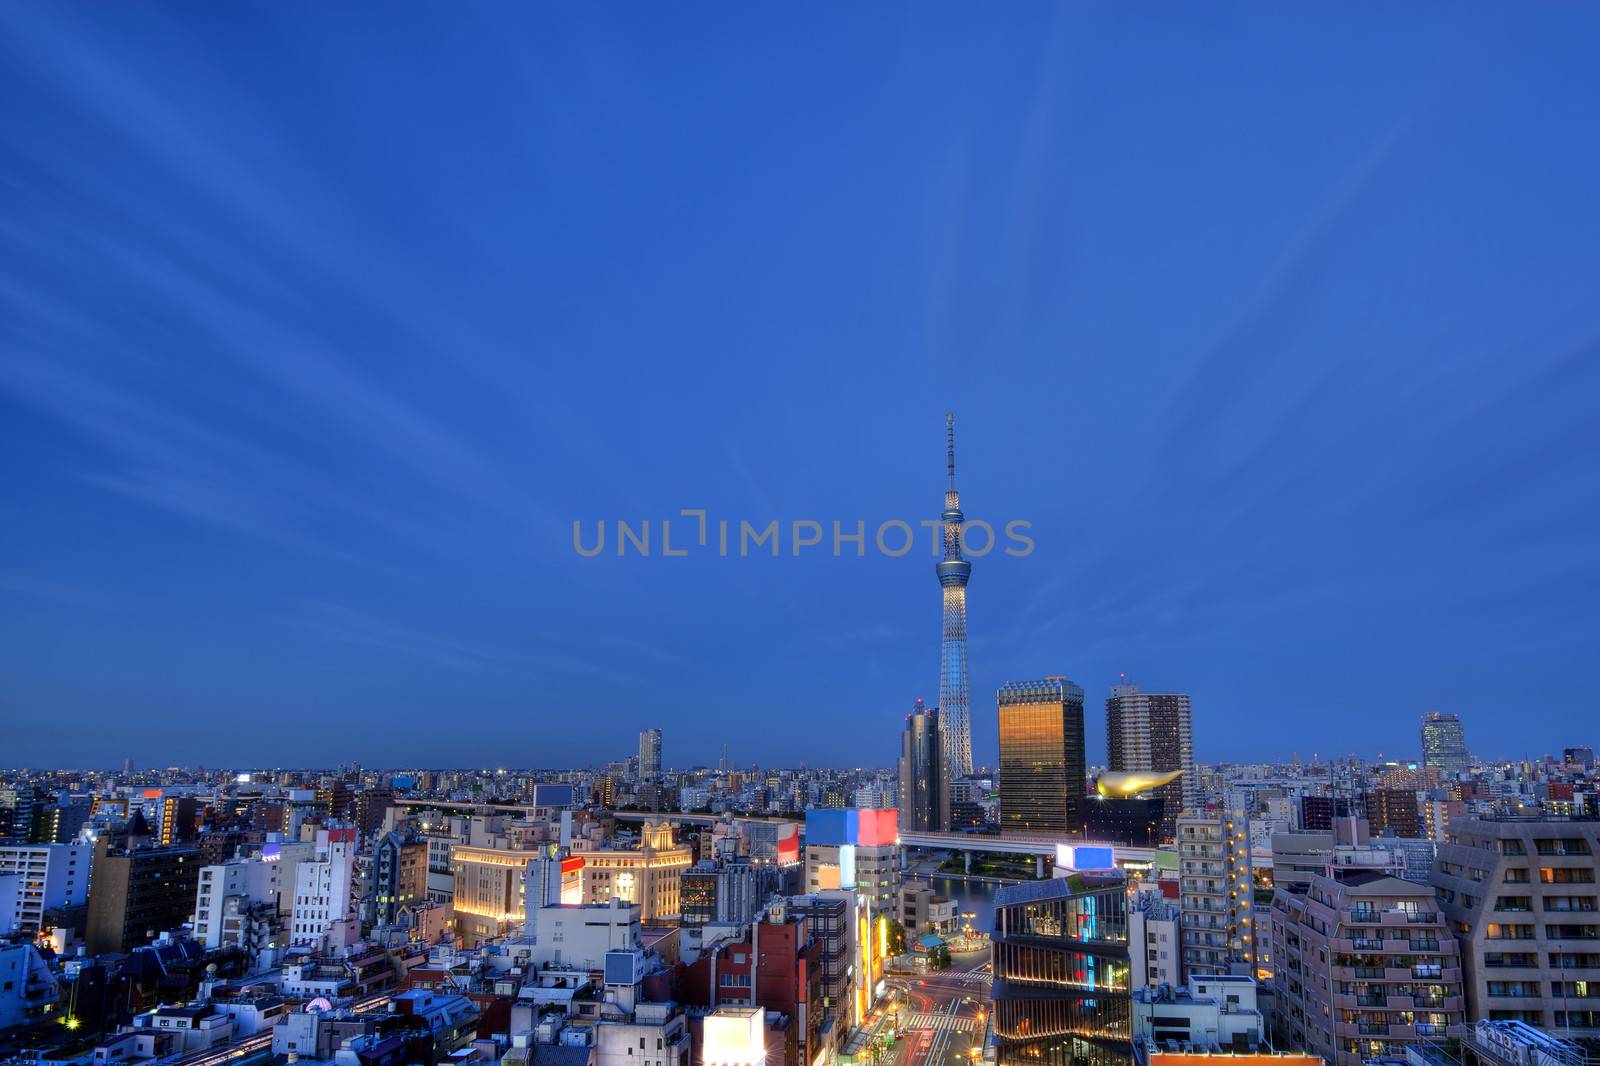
{"x":950,"y":445}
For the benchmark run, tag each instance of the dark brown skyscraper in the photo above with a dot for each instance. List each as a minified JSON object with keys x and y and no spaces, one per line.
{"x":1042,"y":774}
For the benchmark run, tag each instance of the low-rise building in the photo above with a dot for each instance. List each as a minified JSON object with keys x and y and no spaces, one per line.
{"x":923,"y":911}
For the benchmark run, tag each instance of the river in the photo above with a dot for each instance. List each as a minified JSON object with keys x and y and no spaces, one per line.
{"x":972,"y":897}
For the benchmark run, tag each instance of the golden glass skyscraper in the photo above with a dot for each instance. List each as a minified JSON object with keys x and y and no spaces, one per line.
{"x":1043,"y":779}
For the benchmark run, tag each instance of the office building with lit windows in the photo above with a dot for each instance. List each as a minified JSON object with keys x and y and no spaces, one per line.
{"x":1043,"y":780}
{"x":1444,"y":744}
{"x":1062,"y":972}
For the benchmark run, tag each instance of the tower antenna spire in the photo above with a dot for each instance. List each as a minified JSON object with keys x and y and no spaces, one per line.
{"x":950,"y":445}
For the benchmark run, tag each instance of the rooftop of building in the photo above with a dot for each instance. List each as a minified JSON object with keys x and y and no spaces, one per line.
{"x":1074,"y":884}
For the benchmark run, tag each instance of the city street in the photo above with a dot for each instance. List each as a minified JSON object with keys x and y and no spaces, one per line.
{"x":941,"y":1016}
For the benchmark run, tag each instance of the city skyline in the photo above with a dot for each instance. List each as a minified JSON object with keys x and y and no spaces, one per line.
{"x":308,"y":369}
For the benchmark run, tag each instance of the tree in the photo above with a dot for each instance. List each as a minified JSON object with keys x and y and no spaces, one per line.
{"x":897,"y":937}
{"x":939,"y":957}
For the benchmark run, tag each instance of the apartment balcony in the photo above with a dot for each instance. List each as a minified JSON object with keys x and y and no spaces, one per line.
{"x":1447,"y":1004}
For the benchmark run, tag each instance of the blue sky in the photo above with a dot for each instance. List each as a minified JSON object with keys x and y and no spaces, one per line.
{"x":319,"y":327}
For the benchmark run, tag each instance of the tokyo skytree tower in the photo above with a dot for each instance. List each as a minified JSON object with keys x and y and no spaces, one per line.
{"x":953,"y":572}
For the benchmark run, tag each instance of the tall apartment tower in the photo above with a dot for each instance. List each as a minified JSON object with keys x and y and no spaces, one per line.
{"x":924,"y":790}
{"x":953,"y":572}
{"x":650,"y":755}
{"x":1151,"y":732}
{"x":1444,"y":744}
{"x":1043,"y":780}
{"x":1215,"y":892}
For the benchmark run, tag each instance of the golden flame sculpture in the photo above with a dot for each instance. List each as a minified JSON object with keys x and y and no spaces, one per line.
{"x":1122,"y":785}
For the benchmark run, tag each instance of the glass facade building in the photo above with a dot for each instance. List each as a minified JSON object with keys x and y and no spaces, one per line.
{"x":1043,"y":779}
{"x":1444,"y":743}
{"x":1061,"y":972}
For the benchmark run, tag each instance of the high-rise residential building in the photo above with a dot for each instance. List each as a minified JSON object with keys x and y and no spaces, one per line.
{"x":650,"y":755}
{"x":924,"y":786}
{"x":35,"y":878}
{"x":1062,"y":973}
{"x":1364,"y":966}
{"x":1522,"y":893}
{"x":953,"y":571}
{"x":136,"y":894}
{"x":1151,"y":732}
{"x":1043,"y":779}
{"x":1444,"y":744}
{"x":1216,"y":892}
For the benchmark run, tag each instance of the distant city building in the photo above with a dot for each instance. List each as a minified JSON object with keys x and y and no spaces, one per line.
{"x":1216,"y":891}
{"x":1394,"y":812}
{"x":1318,"y":813}
{"x":399,"y":876}
{"x":1522,"y":892}
{"x":17,"y":803}
{"x":1444,"y":743}
{"x":1153,"y":732}
{"x":1043,"y":779}
{"x":1061,"y":973}
{"x":924,"y":785}
{"x":650,"y":755}
{"x":953,"y":571}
